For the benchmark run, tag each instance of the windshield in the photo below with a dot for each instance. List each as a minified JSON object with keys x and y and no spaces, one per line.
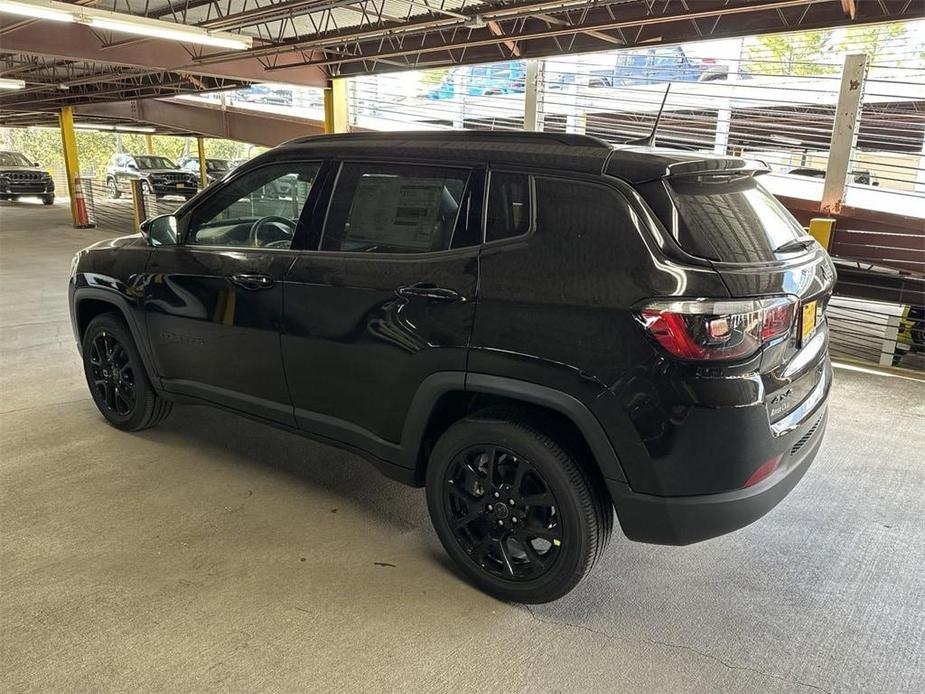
{"x":154,"y":163}
{"x":13,"y":159}
{"x":730,"y":218}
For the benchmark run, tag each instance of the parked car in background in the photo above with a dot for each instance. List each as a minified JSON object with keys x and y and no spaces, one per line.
{"x":862,"y":177}
{"x":397,"y":302}
{"x":158,"y":175}
{"x":21,"y":177}
{"x":481,"y":80}
{"x":261,"y":94}
{"x":652,"y":66}
{"x":215,"y":168}
{"x":657,"y":65}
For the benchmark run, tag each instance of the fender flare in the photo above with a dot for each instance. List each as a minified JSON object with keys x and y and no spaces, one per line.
{"x":436,"y":385}
{"x":122,"y":305}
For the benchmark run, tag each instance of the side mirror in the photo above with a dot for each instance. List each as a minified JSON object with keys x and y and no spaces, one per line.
{"x":160,"y":231}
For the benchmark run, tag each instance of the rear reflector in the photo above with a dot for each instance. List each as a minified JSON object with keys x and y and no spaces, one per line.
{"x":718,"y":330}
{"x":766,"y":470}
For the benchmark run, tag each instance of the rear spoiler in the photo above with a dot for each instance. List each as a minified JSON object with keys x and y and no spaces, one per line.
{"x":717,"y":167}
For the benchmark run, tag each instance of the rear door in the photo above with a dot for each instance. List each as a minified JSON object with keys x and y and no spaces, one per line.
{"x":385,"y":300}
{"x":214,"y":303}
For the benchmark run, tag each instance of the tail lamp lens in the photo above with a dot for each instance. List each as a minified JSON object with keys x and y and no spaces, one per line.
{"x":707,"y":330}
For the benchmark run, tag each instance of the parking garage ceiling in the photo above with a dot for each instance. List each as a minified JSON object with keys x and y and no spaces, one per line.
{"x":307,"y":41}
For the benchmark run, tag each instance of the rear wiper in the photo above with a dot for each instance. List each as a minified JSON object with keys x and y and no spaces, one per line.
{"x":798,"y":244}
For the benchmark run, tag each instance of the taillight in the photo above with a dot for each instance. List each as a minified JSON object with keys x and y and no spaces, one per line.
{"x":718,"y":330}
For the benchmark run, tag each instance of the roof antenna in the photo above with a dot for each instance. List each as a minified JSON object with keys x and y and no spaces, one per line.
{"x":649,"y":140}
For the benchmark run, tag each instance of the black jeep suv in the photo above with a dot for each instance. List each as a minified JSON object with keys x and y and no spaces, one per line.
{"x":21,"y":177}
{"x":539,"y":328}
{"x":157,"y":174}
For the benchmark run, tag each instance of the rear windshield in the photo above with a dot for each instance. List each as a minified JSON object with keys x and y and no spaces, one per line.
{"x":729,"y":218}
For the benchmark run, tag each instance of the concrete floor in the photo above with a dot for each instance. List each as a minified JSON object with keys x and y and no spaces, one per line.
{"x":211,"y":553}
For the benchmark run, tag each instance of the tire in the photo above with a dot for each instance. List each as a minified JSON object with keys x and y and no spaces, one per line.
{"x":145,"y":188}
{"x":116,"y":376}
{"x":556,"y":539}
{"x":113,"y":189}
{"x":48,"y":199}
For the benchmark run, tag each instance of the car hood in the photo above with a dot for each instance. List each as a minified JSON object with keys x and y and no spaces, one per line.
{"x":166,"y":171}
{"x":118,"y":242}
{"x":14,"y":169}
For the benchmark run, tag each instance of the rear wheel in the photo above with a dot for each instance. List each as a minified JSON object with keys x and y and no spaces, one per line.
{"x":516,"y":512}
{"x":117,"y":378}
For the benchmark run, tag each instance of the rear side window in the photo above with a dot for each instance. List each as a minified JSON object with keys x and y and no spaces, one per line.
{"x":511,"y":210}
{"x":395,"y":208}
{"x":729,"y":219}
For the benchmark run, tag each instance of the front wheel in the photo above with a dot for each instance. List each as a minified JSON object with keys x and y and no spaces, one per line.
{"x":519,"y":515}
{"x":116,"y":376}
{"x":145,"y":188}
{"x":113,"y":188}
{"x":48,"y":199}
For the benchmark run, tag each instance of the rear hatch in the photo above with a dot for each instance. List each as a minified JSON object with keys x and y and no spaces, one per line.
{"x":716,"y":212}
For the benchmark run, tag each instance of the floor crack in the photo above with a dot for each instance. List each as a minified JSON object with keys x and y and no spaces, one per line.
{"x":666,"y":644}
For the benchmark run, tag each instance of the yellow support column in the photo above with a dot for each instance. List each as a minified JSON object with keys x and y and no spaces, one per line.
{"x":203,"y":168}
{"x":71,"y":163}
{"x":335,"y":107}
{"x":149,"y":144}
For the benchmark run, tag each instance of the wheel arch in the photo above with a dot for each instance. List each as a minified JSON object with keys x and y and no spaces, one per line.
{"x":91,"y":302}
{"x":444,"y":399}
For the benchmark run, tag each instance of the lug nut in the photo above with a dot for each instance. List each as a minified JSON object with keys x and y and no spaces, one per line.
{"x":513,"y":519}
{"x":500,"y":522}
{"x":497,"y":495}
{"x":490,"y":507}
{"x":512,"y":502}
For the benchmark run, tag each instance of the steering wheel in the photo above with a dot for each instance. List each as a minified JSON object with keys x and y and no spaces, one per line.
{"x":283,"y":224}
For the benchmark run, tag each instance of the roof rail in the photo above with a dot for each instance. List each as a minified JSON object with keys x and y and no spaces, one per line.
{"x":572,"y":139}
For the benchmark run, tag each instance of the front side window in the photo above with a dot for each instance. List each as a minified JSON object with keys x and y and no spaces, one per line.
{"x":395,"y":208}
{"x":260,"y":209}
{"x":510,"y":212}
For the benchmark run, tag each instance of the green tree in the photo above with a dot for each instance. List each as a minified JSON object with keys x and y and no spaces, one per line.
{"x":876,"y":41}
{"x":800,"y":54}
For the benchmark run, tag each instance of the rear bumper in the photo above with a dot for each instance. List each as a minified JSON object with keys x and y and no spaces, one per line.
{"x":682,"y":520}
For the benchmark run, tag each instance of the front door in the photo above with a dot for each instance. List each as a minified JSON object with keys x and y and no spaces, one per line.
{"x":387,"y":300}
{"x":214,"y":303}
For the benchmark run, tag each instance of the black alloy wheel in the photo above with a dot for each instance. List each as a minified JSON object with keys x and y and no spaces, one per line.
{"x":112,"y":374}
{"x":523,"y":518}
{"x":502,"y":512}
{"x":117,"y":378}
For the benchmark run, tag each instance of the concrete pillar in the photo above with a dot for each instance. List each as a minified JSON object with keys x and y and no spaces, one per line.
{"x":71,"y":162}
{"x":533,"y":96}
{"x":844,"y":132}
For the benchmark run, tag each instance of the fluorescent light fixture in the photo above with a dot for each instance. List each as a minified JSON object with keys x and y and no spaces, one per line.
{"x":12,"y":84}
{"x":118,"y":128}
{"x":156,"y":29}
{"x":35,"y":9}
{"x":125,"y":23}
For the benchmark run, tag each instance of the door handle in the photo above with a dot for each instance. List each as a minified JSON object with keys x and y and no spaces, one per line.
{"x":431,"y":292}
{"x":252,"y":280}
